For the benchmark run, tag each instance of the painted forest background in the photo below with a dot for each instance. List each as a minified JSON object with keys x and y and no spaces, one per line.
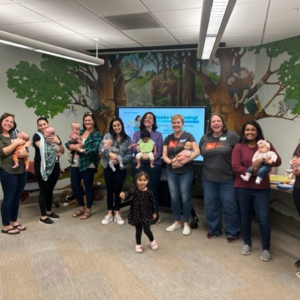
{"x":259,"y":83}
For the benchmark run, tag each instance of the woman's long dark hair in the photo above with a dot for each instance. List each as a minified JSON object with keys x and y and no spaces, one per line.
{"x":209,"y":130}
{"x":154,"y":126}
{"x":4,"y":116}
{"x":123,"y":134}
{"x":260,"y":135}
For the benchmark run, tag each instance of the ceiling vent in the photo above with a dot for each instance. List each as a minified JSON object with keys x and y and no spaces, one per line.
{"x":133,"y":21}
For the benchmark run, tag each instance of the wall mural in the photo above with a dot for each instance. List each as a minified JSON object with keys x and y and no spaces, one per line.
{"x":225,"y":85}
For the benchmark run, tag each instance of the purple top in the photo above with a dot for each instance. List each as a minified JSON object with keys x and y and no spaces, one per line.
{"x":156,"y":136}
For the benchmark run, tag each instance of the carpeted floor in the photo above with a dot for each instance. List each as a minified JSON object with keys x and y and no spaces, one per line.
{"x":75,"y":259}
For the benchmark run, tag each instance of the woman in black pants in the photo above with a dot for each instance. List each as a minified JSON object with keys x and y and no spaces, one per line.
{"x":47,"y":170}
{"x":295,"y":163}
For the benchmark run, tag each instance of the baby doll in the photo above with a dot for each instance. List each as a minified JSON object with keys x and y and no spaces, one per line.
{"x":108,"y":144}
{"x":24,"y":136}
{"x":49,"y":133}
{"x":184,"y":153}
{"x":267,"y":156}
{"x":147,"y":147}
{"x":74,"y":138}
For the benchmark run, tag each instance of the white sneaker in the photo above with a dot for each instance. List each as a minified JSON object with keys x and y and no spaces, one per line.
{"x":186,"y":230}
{"x":138,"y":248}
{"x":173,"y":227}
{"x":118,"y":219}
{"x":107,"y":219}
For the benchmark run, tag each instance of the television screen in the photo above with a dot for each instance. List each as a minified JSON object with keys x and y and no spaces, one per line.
{"x":194,"y":120}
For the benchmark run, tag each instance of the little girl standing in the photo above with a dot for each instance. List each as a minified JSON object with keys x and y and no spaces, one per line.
{"x":142,"y":209}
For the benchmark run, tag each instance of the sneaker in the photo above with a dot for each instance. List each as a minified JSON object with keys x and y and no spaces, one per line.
{"x":153,"y":245}
{"x":211,"y":235}
{"x":297,"y":264}
{"x":266,"y":255}
{"x":246,"y":249}
{"x":232,"y":239}
{"x":47,"y":221}
{"x":186,"y":230}
{"x":155,"y":221}
{"x":298,"y":273}
{"x":173,"y":227}
{"x":138,"y":248}
{"x":118,"y":219}
{"x":53,"y":216}
{"x":107,"y":219}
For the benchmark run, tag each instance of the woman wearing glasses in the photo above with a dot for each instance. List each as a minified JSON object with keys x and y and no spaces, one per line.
{"x":47,"y":169}
{"x":87,"y":165}
{"x":114,"y":179}
{"x":13,"y":180}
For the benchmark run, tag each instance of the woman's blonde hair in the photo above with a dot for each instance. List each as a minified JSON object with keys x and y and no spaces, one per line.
{"x":177,"y":116}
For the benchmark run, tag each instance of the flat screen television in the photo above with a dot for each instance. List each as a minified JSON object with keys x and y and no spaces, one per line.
{"x":194,"y":120}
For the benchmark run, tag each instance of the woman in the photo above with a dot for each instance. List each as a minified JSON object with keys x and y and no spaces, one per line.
{"x":148,"y":122}
{"x":86,"y":167}
{"x":295,"y":164}
{"x":47,"y":170}
{"x":252,"y":196}
{"x":114,"y":179}
{"x":12,"y":180}
{"x":218,"y":180}
{"x":179,"y":173}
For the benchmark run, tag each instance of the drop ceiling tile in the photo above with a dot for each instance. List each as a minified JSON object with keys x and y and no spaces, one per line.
{"x":121,"y":45}
{"x":159,"y":5}
{"x":113,"y":7}
{"x":6,"y":2}
{"x":47,"y":28}
{"x":59,"y":10}
{"x":14,"y":13}
{"x":148,"y":34}
{"x":187,"y":32}
{"x":188,"y":17}
{"x":19,"y":31}
{"x":241,"y":40}
{"x":188,"y":41}
{"x":284,"y":9}
{"x":249,"y":27}
{"x":159,"y":43}
{"x":107,"y":37}
{"x":91,"y":25}
{"x":286,"y":25}
{"x":278,"y":36}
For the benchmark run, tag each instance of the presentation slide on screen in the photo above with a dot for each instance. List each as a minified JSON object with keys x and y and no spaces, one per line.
{"x":194,"y":120}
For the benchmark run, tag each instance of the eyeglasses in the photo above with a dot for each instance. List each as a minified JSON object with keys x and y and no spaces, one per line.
{"x":88,"y":113}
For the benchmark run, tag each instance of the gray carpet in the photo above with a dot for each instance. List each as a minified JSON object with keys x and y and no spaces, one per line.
{"x":75,"y":259}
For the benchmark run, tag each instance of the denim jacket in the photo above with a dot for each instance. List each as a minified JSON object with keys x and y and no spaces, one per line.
{"x":123,"y":151}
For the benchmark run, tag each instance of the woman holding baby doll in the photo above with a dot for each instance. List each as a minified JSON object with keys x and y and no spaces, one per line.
{"x":251,"y":194}
{"x":115,"y":139}
{"x":179,"y":172}
{"x":46,"y":167}
{"x":13,"y":180}
{"x":86,"y":166}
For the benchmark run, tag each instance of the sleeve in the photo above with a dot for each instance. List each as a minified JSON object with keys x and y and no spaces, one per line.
{"x":152,"y":201}
{"x":135,"y":139}
{"x":273,"y":156}
{"x":278,"y":161}
{"x":236,"y":160}
{"x":35,"y":138}
{"x":1,"y":148}
{"x":159,"y":145}
{"x":127,"y":156}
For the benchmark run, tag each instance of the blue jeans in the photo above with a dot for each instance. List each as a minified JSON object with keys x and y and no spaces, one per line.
{"x":154,"y":177}
{"x":259,"y":201}
{"x":88,"y":178}
{"x":180,"y":187}
{"x":220,"y":196}
{"x":262,"y":171}
{"x":12,"y":186}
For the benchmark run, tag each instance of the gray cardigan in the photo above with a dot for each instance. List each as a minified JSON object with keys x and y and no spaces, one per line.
{"x":123,"y":151}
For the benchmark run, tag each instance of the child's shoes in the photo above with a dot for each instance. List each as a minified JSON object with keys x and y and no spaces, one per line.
{"x":138,"y":248}
{"x":153,"y":245}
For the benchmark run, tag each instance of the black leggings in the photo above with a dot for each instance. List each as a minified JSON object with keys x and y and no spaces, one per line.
{"x":296,"y":195}
{"x":46,"y":187}
{"x":138,"y":233}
